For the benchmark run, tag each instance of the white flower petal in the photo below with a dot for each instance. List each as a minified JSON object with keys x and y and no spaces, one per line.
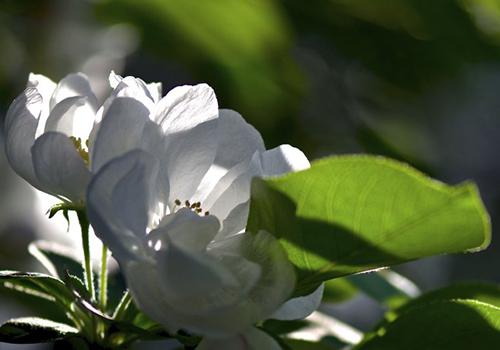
{"x":238,"y":140}
{"x":45,"y":87}
{"x":73,"y":116}
{"x":120,"y":131}
{"x":59,"y":167}
{"x":233,"y":188}
{"x":188,"y":156}
{"x":276,"y":280}
{"x":235,"y":222}
{"x":20,"y":128}
{"x":186,"y":229}
{"x":186,"y":106}
{"x":108,"y":217}
{"x":283,"y":159}
{"x":144,"y":282}
{"x":76,"y":84}
{"x":300,"y":307}
{"x":152,"y":90}
{"x":194,"y":283}
{"x":253,"y":339}
{"x":133,"y":196}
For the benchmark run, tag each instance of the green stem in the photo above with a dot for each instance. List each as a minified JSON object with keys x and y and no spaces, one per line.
{"x":87,"y":266}
{"x":103,"y":282}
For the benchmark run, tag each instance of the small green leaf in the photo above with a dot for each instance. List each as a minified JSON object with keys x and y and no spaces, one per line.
{"x":442,"y":324}
{"x":36,"y":284}
{"x":31,"y":330}
{"x":56,"y":259}
{"x":349,"y":214}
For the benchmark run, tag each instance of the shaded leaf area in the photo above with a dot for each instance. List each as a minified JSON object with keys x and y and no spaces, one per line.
{"x":296,"y":344}
{"x":386,"y":287}
{"x":338,"y":290}
{"x":60,"y":262}
{"x":30,"y":330}
{"x":349,"y":214}
{"x":441,"y":324}
{"x":484,"y":292}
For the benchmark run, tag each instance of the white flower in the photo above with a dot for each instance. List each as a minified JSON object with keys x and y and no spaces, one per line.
{"x":52,"y":136}
{"x":173,"y":211}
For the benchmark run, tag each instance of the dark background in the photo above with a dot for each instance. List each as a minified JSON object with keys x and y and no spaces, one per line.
{"x":416,"y":80}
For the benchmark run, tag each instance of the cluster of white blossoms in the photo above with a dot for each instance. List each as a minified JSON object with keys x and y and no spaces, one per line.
{"x":166,"y":185}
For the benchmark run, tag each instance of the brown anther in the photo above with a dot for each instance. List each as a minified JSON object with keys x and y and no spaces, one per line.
{"x":187,"y":203}
{"x":197,"y":204}
{"x":193,"y":205}
{"x":198,"y":210}
{"x":177,"y":202}
{"x":207,"y":213}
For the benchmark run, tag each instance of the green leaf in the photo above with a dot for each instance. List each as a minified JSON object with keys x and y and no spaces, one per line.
{"x":30,"y":330}
{"x":480,"y":291}
{"x":36,"y":284}
{"x":443,"y":324}
{"x":338,"y":290}
{"x":387,"y":287}
{"x":296,"y":344}
{"x":279,"y":327}
{"x":56,"y":259}
{"x":349,"y":214}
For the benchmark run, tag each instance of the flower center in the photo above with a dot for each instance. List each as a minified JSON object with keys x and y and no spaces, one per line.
{"x":196,"y":207}
{"x":82,"y":149}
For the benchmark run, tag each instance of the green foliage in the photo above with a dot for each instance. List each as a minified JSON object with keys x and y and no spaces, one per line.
{"x":338,"y":290}
{"x":484,"y":292}
{"x":350,"y":214}
{"x":458,"y":324}
{"x":387,"y":287}
{"x":34,"y":330}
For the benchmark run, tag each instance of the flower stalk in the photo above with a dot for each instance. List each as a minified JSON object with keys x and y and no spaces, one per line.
{"x":87,"y":265}
{"x":103,"y":279}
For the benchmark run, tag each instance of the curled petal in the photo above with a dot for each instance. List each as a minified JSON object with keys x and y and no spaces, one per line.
{"x":233,"y":188}
{"x":20,"y":128}
{"x":186,"y":106}
{"x":45,"y":87}
{"x":237,"y":140}
{"x":59,"y":167}
{"x":300,"y":307}
{"x":73,"y":116}
{"x":76,"y":84}
{"x":153,"y":90}
{"x":282,"y":160}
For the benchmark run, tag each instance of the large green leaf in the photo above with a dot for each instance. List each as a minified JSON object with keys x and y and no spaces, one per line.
{"x":443,"y":324}
{"x":30,"y":330}
{"x":349,"y":214}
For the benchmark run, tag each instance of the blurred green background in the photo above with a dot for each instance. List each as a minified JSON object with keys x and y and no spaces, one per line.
{"x":416,"y":80}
